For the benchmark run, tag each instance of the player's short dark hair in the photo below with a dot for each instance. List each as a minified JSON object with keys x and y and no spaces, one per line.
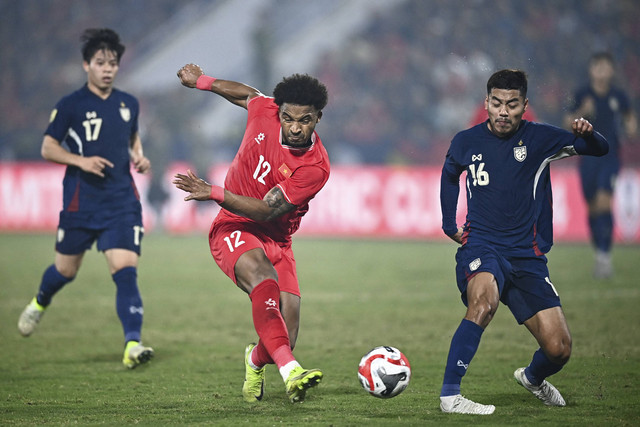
{"x":601,"y":56}
{"x":96,"y":39}
{"x":509,"y":80}
{"x":301,"y":89}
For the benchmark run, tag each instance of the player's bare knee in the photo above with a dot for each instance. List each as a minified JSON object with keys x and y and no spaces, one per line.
{"x":481,"y":312}
{"x":559,"y":351}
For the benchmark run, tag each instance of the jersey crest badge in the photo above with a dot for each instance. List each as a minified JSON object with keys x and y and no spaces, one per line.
{"x":53,"y":115}
{"x":475,"y":264}
{"x":520,"y":153}
{"x":125,"y":113}
{"x":285,"y":170}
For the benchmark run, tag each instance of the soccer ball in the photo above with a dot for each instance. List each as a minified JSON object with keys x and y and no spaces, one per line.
{"x":384,"y":372}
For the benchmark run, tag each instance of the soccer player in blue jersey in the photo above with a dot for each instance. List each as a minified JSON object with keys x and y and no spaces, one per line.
{"x":507,"y":232}
{"x":609,"y":109}
{"x":99,"y":125}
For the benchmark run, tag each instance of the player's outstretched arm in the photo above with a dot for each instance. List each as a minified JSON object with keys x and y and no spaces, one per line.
{"x":52,"y":151}
{"x":272,"y":206}
{"x":192,"y":76}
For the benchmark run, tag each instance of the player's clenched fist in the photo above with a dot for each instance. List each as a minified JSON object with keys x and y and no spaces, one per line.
{"x":189,"y":74}
{"x":581,"y":127}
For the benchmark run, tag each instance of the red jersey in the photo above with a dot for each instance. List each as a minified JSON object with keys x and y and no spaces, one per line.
{"x":262,"y":162}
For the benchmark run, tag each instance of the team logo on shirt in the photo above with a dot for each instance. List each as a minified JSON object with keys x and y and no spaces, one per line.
{"x":475,"y":264}
{"x":259,"y":138}
{"x":125,"y":113}
{"x":520,"y":152}
{"x":53,"y":115}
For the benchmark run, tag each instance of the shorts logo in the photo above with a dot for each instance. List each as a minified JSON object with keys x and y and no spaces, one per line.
{"x":520,"y":153}
{"x":60,"y":236}
{"x":475,"y":264}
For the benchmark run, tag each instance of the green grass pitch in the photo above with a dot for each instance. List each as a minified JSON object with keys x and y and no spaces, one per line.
{"x":356,"y":295}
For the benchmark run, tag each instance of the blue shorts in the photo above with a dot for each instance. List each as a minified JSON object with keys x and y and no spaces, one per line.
{"x":598,"y":173}
{"x":523,"y":283}
{"x":76,"y":234}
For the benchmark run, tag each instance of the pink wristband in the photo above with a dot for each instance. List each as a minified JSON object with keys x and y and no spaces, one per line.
{"x":217,"y":193}
{"x":204,"y":82}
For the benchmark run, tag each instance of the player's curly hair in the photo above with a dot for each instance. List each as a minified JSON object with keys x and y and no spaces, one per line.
{"x":301,"y":89}
{"x":95,"y":39}
{"x":510,"y":80}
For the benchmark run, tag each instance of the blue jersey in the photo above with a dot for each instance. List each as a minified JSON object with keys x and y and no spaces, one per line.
{"x":91,"y":126}
{"x":509,"y":202}
{"x":608,"y":113}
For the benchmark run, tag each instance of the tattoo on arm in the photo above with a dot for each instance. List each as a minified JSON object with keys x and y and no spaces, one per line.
{"x":278,"y":204}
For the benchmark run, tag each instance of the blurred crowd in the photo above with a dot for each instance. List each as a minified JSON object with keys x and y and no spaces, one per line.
{"x":404,"y":87}
{"x":398,"y":90}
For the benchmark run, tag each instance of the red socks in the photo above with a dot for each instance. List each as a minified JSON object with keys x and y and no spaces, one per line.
{"x":274,"y":345}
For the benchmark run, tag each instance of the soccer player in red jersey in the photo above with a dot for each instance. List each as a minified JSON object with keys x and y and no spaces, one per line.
{"x":280,"y":166}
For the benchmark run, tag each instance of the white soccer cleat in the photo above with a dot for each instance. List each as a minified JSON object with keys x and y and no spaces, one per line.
{"x":30,"y":317}
{"x":603,"y":268}
{"x":458,"y":404}
{"x":549,"y":395}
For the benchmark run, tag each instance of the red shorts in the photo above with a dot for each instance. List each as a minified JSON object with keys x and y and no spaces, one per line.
{"x":230,"y":239}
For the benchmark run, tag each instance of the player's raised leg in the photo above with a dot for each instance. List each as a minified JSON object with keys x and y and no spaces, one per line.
{"x":54,"y":278}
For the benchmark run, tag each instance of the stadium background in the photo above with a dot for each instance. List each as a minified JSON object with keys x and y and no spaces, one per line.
{"x":403,"y":77}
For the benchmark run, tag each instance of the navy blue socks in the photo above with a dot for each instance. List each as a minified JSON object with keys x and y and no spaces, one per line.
{"x":540,"y":368}
{"x":128,"y":302}
{"x":464,"y":345}
{"x":52,"y":282}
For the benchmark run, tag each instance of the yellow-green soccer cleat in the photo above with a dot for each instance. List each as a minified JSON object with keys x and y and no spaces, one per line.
{"x":299,"y":381}
{"x":30,"y":317}
{"x":136,"y":354}
{"x":253,"y":387}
